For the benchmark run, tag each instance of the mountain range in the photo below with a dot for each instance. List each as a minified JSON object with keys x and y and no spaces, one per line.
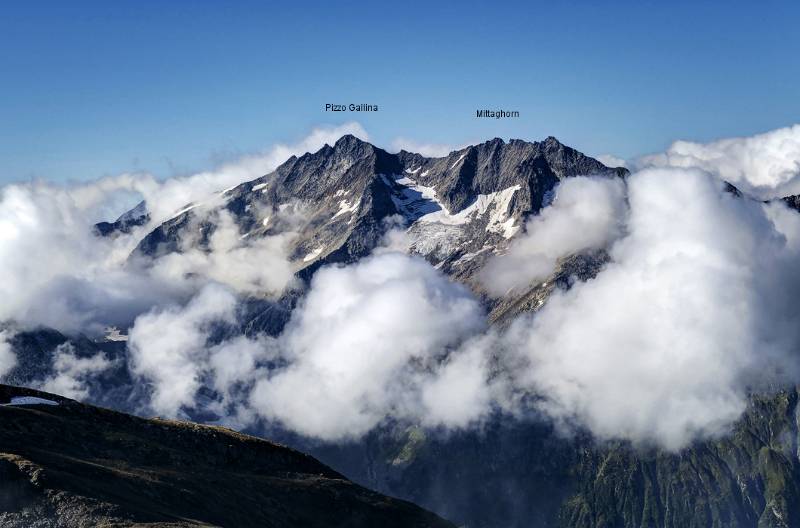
{"x":457,"y":211}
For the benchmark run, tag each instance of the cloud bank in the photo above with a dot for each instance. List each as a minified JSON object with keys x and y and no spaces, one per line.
{"x":372,"y":341}
{"x":56,"y":271}
{"x":367,"y":343}
{"x":71,"y":373}
{"x":255,"y":266}
{"x":170,"y":346}
{"x":694,"y":309}
{"x":609,"y":160}
{"x":765,"y":165}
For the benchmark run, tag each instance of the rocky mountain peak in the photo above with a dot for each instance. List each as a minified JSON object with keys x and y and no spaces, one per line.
{"x":495,"y":165}
{"x":349,"y":142}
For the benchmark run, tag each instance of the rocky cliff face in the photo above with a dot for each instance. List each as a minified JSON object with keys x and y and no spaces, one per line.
{"x":65,"y":464}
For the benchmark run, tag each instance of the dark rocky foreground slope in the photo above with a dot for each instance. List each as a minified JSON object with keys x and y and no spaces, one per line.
{"x":74,"y":465}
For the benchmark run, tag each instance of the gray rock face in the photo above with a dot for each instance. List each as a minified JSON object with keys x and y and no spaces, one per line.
{"x":348,"y":189}
{"x":582,"y":266}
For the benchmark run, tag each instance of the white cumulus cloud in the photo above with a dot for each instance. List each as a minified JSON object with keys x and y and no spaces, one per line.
{"x":58,"y":273}
{"x":8,"y":359}
{"x":71,"y":372}
{"x":609,"y":160}
{"x":169,"y":346}
{"x":586,"y":214}
{"x":366,"y":340}
{"x":696,"y":308}
{"x":765,"y":165}
{"x":430,"y":150}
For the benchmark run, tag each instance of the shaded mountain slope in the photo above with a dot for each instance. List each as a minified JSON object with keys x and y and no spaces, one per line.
{"x":72,"y":464}
{"x":37,"y":351}
{"x":517,"y":474}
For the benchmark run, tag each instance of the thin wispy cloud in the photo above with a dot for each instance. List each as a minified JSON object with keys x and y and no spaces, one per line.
{"x":431,"y":150}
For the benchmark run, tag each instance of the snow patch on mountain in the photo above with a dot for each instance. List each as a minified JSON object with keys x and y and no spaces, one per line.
{"x":499,"y":220}
{"x":496,"y":202}
{"x":439,"y":241}
{"x":466,"y":257}
{"x":437,"y":233}
{"x":346,"y":207}
{"x":314,"y":254}
{"x":185,"y":210}
{"x":29,"y":400}
{"x":413,"y":200}
{"x":112,"y":333}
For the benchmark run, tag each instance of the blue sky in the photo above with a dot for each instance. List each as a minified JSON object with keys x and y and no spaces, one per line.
{"x":95,"y":88}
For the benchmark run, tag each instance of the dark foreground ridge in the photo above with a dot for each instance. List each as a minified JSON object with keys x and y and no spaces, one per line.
{"x":73,"y":465}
